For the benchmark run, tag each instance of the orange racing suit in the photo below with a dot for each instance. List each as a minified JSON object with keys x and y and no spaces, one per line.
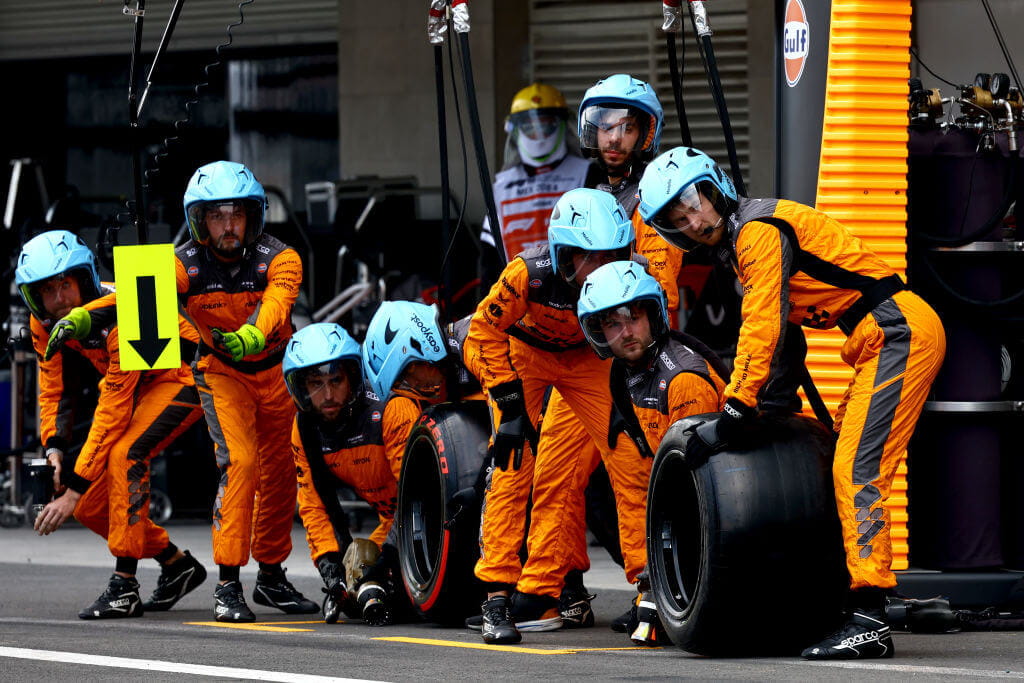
{"x":678,"y":382}
{"x":363,"y":451}
{"x":797,"y":264}
{"x":248,"y":409}
{"x":138,"y":414}
{"x":526,"y":329}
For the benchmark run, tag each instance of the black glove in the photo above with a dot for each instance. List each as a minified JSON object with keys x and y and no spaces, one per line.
{"x":712,"y":436}
{"x":335,"y":590}
{"x":514,"y":428}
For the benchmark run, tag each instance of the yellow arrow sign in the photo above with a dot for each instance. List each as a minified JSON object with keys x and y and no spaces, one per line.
{"x":147,"y":307}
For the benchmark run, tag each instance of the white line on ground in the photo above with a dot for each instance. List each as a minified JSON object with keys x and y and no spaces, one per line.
{"x":914,"y":669}
{"x":172,"y":667}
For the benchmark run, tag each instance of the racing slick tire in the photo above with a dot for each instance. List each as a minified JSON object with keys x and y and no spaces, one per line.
{"x":745,"y":552}
{"x":440,"y":492}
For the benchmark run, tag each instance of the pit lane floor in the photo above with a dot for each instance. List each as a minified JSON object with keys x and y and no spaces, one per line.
{"x":45,"y":581}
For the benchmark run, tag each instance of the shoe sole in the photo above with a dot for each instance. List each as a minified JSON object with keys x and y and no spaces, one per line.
{"x":111,"y":615}
{"x":507,"y":640}
{"x":539,"y":625}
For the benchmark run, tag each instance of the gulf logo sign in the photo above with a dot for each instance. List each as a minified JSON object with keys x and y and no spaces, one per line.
{"x":796,"y":41}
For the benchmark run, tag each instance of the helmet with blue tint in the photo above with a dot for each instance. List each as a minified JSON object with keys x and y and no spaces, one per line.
{"x":320,"y":349}
{"x":586,"y":221}
{"x":609,"y":101}
{"x":52,"y":254}
{"x":674,"y":182}
{"x":615,"y":293}
{"x":224,"y":185}
{"x":399,"y":334}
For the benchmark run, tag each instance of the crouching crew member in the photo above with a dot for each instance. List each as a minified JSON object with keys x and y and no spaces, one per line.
{"x":343,"y":435}
{"x":658,"y":377}
{"x":138,"y":414}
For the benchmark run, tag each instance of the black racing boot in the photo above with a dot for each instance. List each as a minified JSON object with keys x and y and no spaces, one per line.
{"x":864,"y":635}
{"x":120,"y":599}
{"x":535,"y":612}
{"x":626,"y":622}
{"x":574,"y":602}
{"x":274,"y":590}
{"x":176,"y":581}
{"x":230,"y":603}
{"x":497,"y":625}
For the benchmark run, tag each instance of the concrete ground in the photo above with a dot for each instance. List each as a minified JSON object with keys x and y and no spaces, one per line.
{"x":45,"y":581}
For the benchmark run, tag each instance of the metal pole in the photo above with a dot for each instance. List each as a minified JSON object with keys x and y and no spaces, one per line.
{"x":165,"y":39}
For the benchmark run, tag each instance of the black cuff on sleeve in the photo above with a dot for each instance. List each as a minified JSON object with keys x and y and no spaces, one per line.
{"x":739,"y":410}
{"x":73,"y":481}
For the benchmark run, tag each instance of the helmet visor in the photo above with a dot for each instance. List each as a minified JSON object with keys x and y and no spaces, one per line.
{"x":613,"y":128}
{"x":308,"y":385}
{"x":621,"y":325}
{"x":681,"y":219}
{"x":226,"y":215}
{"x":575,"y":263}
{"x":537,"y":124}
{"x":422,"y":381}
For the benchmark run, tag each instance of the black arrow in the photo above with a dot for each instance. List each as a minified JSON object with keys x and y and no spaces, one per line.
{"x":149,"y":345}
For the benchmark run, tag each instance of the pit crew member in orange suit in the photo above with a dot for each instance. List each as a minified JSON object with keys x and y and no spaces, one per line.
{"x":344,"y":435}
{"x":620,"y":123}
{"x":139,"y":413}
{"x":799,"y":265}
{"x":524,"y":337}
{"x":238,"y":285}
{"x":659,"y":376}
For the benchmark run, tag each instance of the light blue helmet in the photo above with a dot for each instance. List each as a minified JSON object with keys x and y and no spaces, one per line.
{"x":52,"y":254}
{"x":615,"y":286}
{"x":587,"y":220}
{"x":400,"y":333}
{"x":320,"y":348}
{"x":622,"y":91}
{"x":223,"y":182}
{"x":677,"y":175}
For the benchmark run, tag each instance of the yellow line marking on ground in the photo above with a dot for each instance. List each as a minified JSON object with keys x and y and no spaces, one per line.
{"x":503,"y":648}
{"x":263,"y":626}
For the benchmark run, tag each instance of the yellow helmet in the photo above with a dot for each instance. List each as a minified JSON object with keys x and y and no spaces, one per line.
{"x":537,"y":96}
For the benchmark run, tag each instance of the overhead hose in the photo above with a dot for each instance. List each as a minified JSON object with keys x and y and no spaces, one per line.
{"x":707,"y":52}
{"x":673,"y":24}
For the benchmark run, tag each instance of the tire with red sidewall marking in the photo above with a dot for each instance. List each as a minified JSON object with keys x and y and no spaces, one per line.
{"x":440,"y":492}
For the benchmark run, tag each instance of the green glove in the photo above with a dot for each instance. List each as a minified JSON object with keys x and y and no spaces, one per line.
{"x":244,"y":341}
{"x":75,"y":325}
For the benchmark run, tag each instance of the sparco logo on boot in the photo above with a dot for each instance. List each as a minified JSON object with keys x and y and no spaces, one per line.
{"x":427,"y":333}
{"x":796,"y":41}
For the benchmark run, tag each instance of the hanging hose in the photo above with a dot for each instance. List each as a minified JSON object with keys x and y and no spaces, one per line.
{"x":437,"y":25}
{"x":137,"y":207}
{"x":460,"y":17}
{"x":699,"y":17}
{"x":673,"y":24}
